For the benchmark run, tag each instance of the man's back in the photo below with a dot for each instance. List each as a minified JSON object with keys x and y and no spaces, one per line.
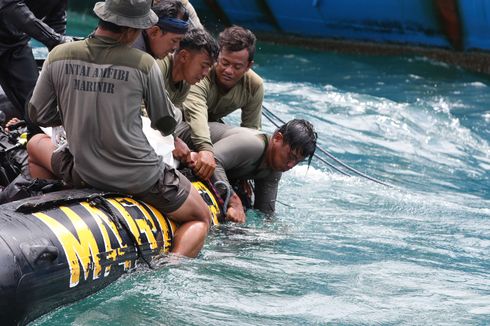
{"x":99,"y":84}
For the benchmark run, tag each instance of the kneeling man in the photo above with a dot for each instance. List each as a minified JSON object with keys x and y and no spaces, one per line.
{"x":247,"y":154}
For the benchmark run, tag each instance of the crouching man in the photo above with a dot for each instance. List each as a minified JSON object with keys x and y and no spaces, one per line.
{"x":247,"y":154}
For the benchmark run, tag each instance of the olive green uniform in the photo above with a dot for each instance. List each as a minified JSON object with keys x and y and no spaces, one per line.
{"x":98,"y":85}
{"x":207,"y":102}
{"x":177,"y":92}
{"x":240,"y":155}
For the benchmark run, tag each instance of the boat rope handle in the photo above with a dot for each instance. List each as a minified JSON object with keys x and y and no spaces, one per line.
{"x":102,"y":202}
{"x":228,"y":193}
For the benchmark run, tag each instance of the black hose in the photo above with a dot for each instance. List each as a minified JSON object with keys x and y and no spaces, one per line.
{"x":228,"y":193}
{"x":352,"y":169}
{"x":267,"y":111}
{"x":102,"y":203}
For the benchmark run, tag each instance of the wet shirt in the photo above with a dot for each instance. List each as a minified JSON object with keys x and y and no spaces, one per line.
{"x":240,"y":155}
{"x":206,"y":102}
{"x":98,"y":85}
{"x":20,"y":20}
{"x":177,"y":92}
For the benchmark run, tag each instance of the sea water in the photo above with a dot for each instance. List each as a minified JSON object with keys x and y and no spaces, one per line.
{"x":342,"y":249}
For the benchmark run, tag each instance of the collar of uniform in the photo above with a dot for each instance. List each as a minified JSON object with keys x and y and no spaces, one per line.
{"x":173,"y":86}
{"x":105,"y":39}
{"x":146,"y":41}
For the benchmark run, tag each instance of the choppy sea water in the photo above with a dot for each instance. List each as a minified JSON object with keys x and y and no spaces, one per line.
{"x":343,"y":250}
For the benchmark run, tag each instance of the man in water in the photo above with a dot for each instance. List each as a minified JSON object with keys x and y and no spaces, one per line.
{"x":97,"y":86}
{"x":45,"y":21}
{"x":230,"y":85}
{"x":247,"y":154}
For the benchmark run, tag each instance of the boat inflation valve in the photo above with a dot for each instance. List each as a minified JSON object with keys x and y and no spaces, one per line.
{"x":39,"y":253}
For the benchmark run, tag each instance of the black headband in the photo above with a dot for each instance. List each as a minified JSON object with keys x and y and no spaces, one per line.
{"x":173,"y":25}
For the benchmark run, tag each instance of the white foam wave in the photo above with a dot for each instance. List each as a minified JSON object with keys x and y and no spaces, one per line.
{"x":424,"y":131}
{"x":431,"y":61}
{"x":477,"y":84}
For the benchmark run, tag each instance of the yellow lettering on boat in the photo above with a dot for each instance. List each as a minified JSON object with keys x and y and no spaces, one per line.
{"x":137,"y":226}
{"x":102,"y":220}
{"x":166,"y":232}
{"x":163,"y":222}
{"x":214,"y":207}
{"x":84,"y":251}
{"x":126,"y":264}
{"x":145,"y":213}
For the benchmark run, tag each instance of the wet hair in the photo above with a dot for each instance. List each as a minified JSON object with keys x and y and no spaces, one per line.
{"x":300,"y":135}
{"x":170,"y":9}
{"x":236,"y":38}
{"x":197,"y":40}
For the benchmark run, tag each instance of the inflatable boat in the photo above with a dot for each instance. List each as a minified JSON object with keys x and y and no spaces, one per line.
{"x":63,"y":246}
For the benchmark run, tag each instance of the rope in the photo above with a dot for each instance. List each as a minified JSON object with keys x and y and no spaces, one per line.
{"x":103,"y":203}
{"x":267,"y":112}
{"x":228,"y":193}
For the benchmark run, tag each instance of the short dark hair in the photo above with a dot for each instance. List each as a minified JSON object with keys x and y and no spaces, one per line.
{"x":236,"y":38}
{"x":170,"y":9}
{"x":198,"y":39}
{"x":300,"y":135}
{"x":111,"y":27}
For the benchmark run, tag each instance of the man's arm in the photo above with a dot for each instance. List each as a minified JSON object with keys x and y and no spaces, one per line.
{"x":266,"y":193}
{"x":196,"y":115}
{"x":163,"y":115}
{"x":57,"y":18}
{"x":42,"y":108}
{"x":18,"y":14}
{"x":237,"y":150}
{"x":252,"y":112}
{"x":181,"y":151}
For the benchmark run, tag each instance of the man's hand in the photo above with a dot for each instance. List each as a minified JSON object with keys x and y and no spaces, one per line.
{"x":62,"y":39}
{"x":204,"y":165}
{"x":14,"y":123}
{"x":181,"y":151}
{"x":66,"y":39}
{"x":235,"y":211}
